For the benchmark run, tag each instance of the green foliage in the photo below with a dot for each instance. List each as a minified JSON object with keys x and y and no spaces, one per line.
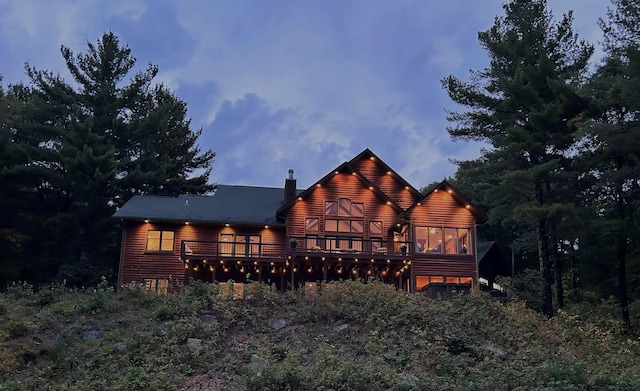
{"x":393,"y":341}
{"x":165,"y":311}
{"x":525,"y":105}
{"x":73,"y":151}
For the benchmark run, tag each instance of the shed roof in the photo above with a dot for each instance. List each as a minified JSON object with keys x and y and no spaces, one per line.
{"x":228,"y":204}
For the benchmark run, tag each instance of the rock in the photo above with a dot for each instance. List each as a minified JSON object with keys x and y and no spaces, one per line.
{"x":92,"y":334}
{"x":257,"y":363}
{"x":277,"y":324}
{"x":343,"y":328}
{"x":495,"y":350}
{"x":410,"y":377}
{"x":88,"y":364}
{"x":119,"y":346}
{"x":207,"y":318}
{"x":388,"y":356}
{"x":195,"y":345}
{"x":44,"y":312}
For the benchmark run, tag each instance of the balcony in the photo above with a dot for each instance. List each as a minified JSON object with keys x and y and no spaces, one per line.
{"x":338,"y":247}
{"x":205,"y":249}
{"x":349,"y":247}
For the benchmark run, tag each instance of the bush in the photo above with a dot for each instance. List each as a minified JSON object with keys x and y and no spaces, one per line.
{"x":165,"y":312}
{"x":16,"y":328}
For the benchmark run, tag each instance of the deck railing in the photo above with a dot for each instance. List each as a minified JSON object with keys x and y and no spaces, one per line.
{"x":295,"y":245}
{"x":349,"y":245}
{"x":219,"y":249}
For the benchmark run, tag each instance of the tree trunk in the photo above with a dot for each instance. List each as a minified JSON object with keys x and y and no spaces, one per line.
{"x":545,"y":269}
{"x":621,"y":254}
{"x":557,"y":272}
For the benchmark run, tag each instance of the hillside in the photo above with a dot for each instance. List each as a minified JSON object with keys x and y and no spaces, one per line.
{"x":351,"y":337}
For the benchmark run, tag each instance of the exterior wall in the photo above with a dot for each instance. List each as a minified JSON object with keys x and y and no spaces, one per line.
{"x":440,"y":209}
{"x":137,"y":264}
{"x":342,"y":185}
{"x":389,"y":184}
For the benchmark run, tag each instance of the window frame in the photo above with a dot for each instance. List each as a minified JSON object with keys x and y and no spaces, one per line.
{"x":240,"y":245}
{"x":152,"y":285}
{"x":442,"y":244}
{"x":161,"y":240}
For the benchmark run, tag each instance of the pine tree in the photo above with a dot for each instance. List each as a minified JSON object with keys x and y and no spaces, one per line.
{"x":524,"y":106}
{"x":100,"y":141}
{"x":610,"y":154}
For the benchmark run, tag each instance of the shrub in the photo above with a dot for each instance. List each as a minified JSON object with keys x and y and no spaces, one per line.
{"x":11,"y":385}
{"x":44,"y":297}
{"x":16,"y":328}
{"x":165,"y":312}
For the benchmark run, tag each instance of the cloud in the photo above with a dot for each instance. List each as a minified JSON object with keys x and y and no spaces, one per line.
{"x":292,"y":84}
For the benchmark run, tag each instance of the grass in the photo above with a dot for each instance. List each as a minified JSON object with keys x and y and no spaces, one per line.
{"x":350,"y":337}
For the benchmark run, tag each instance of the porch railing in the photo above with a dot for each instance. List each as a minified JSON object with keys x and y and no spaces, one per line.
{"x":349,"y":245}
{"x":295,"y":245}
{"x":221,"y":249}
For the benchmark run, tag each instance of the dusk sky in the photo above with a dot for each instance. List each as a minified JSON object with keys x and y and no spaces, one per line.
{"x":290,"y":83}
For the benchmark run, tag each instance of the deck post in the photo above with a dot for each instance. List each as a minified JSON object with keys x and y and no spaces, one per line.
{"x":292,"y":275}
{"x":412,"y":282}
{"x":282,"y":271}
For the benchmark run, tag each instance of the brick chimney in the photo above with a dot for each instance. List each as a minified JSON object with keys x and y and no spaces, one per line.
{"x":289,"y":188}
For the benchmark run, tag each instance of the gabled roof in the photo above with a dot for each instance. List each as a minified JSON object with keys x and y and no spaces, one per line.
{"x":345,"y":167}
{"x":368,"y":154}
{"x":229,"y":204}
{"x":480,"y":216}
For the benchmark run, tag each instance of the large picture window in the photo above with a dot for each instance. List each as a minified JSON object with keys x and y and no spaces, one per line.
{"x":443,"y":240}
{"x":233,"y":245}
{"x":422,"y":281}
{"x":344,"y":207}
{"x":353,"y":226}
{"x":160,"y":240}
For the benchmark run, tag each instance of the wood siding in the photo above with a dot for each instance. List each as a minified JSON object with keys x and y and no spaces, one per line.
{"x":440,"y":209}
{"x":342,"y":185}
{"x":138,"y":264}
{"x":388,"y":183}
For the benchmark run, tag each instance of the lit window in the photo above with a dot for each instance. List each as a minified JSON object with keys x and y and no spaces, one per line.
{"x":240,"y":245}
{"x":159,"y":286}
{"x":442,"y":240}
{"x":344,"y":226}
{"x":357,"y":209}
{"x":422,"y":281}
{"x":160,"y":240}
{"x":357,"y":226}
{"x":331,"y":208}
{"x":311,"y":225}
{"x":344,"y":207}
{"x":375,"y":227}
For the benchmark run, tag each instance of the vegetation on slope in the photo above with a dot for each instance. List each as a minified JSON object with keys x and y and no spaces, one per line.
{"x":350,"y":336}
